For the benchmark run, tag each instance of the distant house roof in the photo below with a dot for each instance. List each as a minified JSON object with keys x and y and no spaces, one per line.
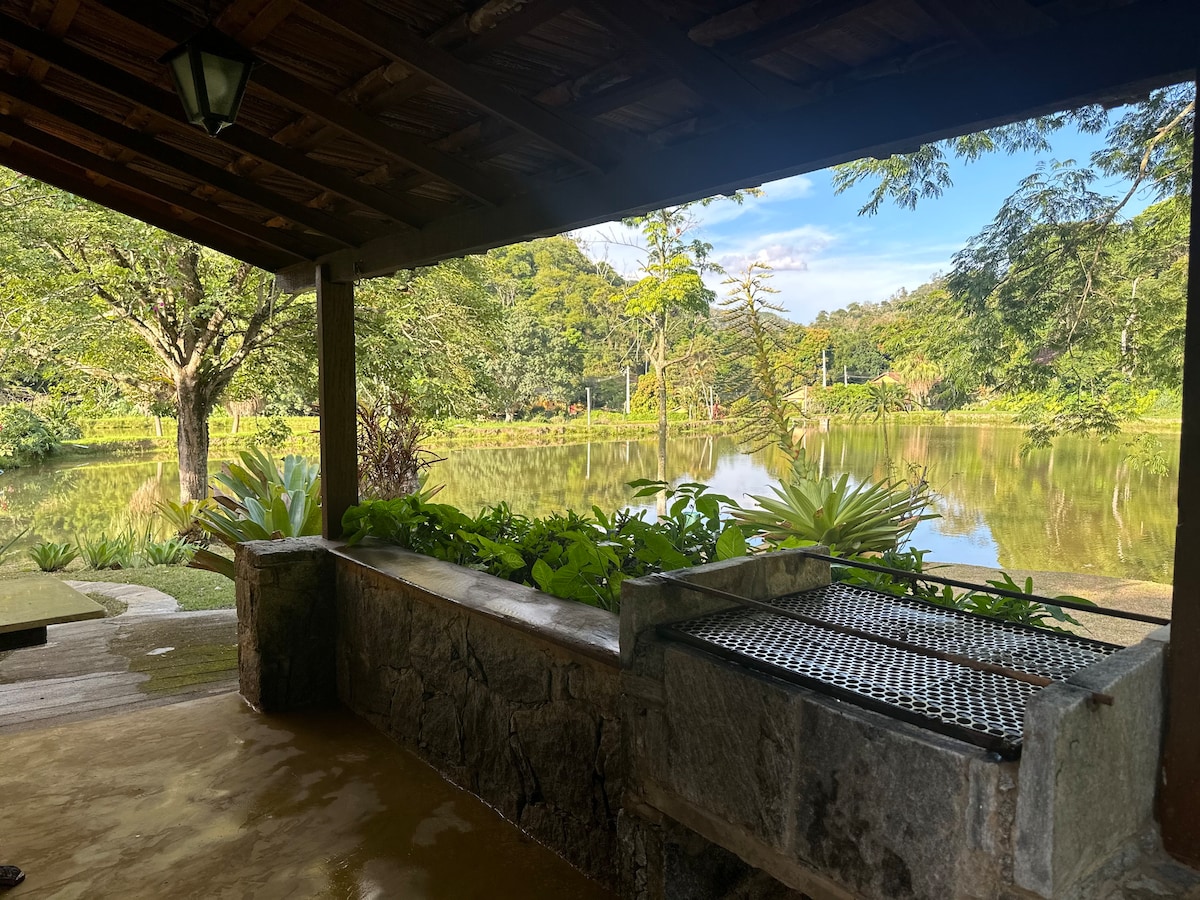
{"x":887,"y":378}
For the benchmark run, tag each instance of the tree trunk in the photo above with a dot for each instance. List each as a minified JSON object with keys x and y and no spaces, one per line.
{"x":191,"y":439}
{"x":660,"y":384}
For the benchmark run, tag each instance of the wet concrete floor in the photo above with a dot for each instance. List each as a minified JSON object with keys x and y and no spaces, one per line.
{"x":207,"y":798}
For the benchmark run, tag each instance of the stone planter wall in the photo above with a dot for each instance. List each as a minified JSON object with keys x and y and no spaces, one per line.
{"x":286,"y":624}
{"x":510,"y":693}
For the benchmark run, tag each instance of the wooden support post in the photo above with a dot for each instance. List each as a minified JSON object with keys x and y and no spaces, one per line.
{"x":1179,"y":797}
{"x":338,"y":398}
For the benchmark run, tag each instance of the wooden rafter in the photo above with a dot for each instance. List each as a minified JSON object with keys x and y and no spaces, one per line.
{"x":57,"y":107}
{"x":151,"y":210}
{"x":166,"y":109}
{"x":290,"y":243}
{"x":486,"y":187}
{"x":1054,"y":71}
{"x":793,"y":28}
{"x":583,"y":143}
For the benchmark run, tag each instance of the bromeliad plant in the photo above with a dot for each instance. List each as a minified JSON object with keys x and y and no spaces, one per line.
{"x":257,"y":500}
{"x":53,"y":557}
{"x":869,"y":517}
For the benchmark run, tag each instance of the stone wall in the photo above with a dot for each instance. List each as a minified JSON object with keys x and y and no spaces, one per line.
{"x":286,"y":624}
{"x":510,"y":693}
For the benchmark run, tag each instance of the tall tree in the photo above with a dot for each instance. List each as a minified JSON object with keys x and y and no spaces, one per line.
{"x":671,"y":294}
{"x":770,"y":417}
{"x":163,"y":317}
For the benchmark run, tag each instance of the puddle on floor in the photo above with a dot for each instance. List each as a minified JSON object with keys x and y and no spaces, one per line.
{"x":209,"y":799}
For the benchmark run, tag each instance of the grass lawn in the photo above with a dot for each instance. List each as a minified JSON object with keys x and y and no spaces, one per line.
{"x":195,"y":589}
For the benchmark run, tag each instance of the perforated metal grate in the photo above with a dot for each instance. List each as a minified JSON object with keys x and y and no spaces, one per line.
{"x":982,"y":707}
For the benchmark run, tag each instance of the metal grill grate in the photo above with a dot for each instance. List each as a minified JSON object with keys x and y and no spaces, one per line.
{"x":984,"y":708}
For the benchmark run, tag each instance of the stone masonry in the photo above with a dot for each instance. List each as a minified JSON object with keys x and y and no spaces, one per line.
{"x":508,"y":692}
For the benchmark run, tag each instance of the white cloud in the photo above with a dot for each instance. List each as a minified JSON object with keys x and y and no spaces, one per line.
{"x":783,"y":251}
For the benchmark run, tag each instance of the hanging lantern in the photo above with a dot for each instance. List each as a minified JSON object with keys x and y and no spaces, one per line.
{"x":210,"y":73}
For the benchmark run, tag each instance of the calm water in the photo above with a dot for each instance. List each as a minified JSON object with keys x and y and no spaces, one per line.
{"x":1078,"y":507}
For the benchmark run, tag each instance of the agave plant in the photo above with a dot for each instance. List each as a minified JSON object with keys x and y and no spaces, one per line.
{"x":257,"y":500}
{"x":52,"y":557}
{"x":863,"y":518}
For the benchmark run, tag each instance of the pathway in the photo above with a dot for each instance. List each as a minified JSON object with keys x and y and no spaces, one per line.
{"x":150,"y":655}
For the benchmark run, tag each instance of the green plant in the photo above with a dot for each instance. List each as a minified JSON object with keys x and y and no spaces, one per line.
{"x":52,"y":557}
{"x":272,"y":434}
{"x":170,"y":552}
{"x":569,"y":555}
{"x":109,"y":553}
{"x":867,"y":517}
{"x":24,"y":436}
{"x":257,"y":500}
{"x":182,"y":517}
{"x":981,"y":602}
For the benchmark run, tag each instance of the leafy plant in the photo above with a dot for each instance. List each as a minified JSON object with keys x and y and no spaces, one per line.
{"x":24,"y":436}
{"x":109,"y":553}
{"x":572,"y":556}
{"x":391,"y":460}
{"x":273,"y":433}
{"x":52,"y":557}
{"x":257,"y":500}
{"x":868,"y":517}
{"x":981,"y":602}
{"x":170,"y":552}
{"x":182,"y":517}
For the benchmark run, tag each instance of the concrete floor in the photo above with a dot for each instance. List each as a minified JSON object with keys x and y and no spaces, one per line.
{"x":207,"y":798}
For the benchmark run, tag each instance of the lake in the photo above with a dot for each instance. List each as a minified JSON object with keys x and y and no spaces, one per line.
{"x":1078,"y":507}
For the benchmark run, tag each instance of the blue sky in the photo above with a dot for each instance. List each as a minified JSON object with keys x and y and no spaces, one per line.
{"x":826,"y":256}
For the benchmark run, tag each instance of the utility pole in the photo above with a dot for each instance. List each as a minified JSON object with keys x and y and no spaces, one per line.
{"x":824,"y":369}
{"x":845,"y":377}
{"x":627,"y":390}
{"x":589,"y":404}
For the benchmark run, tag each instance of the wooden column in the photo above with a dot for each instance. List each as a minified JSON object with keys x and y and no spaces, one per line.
{"x":1179,"y":798}
{"x":338,"y":398}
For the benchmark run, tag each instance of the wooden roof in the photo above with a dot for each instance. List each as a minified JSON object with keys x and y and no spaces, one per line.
{"x":379,"y":134}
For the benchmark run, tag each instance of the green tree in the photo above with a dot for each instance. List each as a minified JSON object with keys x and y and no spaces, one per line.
{"x":531,"y":361}
{"x":757,"y":334}
{"x":113,"y":298}
{"x":427,"y":334}
{"x":671,"y":294}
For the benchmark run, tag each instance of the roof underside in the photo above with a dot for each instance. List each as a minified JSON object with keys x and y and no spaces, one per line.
{"x":381,"y":134}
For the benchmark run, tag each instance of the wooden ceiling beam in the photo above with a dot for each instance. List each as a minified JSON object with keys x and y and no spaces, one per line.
{"x":727,"y":86}
{"x":58,"y":107}
{"x":149,"y":210}
{"x":792,"y":29}
{"x":579,"y":141}
{"x":1105,"y":56}
{"x":289,"y":243}
{"x":166,"y":107}
{"x":291,"y":90}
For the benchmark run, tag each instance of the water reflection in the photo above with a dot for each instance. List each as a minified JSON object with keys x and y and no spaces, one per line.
{"x":1078,"y":507}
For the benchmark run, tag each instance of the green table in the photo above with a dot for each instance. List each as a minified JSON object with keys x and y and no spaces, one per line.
{"x":29,"y":604}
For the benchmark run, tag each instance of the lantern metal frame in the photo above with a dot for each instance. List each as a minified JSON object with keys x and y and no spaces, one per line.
{"x":213,"y":43}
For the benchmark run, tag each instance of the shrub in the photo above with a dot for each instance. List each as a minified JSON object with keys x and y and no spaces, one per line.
{"x":52,"y":557}
{"x":391,"y":460}
{"x":24,"y":436}
{"x":109,"y":553}
{"x":272,"y":434}
{"x":978,"y":601}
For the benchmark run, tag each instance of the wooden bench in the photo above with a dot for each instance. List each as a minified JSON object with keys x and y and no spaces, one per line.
{"x":29,"y":604}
